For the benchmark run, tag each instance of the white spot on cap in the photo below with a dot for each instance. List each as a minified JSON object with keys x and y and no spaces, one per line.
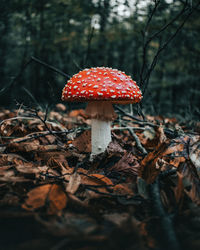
{"x":75,"y":87}
{"x":84,"y":84}
{"x":95,"y":86}
{"x":98,"y":79}
{"x":79,"y":76}
{"x":83,"y":91}
{"x":113,"y":96}
{"x":112,"y":91}
{"x":99,"y":93}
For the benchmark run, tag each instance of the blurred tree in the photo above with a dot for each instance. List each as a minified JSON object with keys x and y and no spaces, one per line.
{"x":147,"y":40}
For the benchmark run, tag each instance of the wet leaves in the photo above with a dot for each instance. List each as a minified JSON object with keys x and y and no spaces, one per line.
{"x":45,"y":171}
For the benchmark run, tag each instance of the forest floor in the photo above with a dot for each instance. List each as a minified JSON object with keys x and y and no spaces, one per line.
{"x":142,"y":193}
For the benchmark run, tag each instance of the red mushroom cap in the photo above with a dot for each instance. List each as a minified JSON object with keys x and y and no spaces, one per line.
{"x":101,"y":84}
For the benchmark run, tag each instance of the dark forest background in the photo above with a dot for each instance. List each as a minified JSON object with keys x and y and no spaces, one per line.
{"x":156,"y":42}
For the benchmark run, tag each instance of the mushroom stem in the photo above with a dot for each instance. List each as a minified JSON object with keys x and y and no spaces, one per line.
{"x":101,"y":136}
{"x":101,"y":114}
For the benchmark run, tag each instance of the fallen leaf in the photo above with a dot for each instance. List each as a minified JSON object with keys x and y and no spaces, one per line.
{"x":195,"y":155}
{"x":50,"y":196}
{"x":96,"y":180}
{"x":123,"y":189}
{"x":60,"y":107}
{"x":74,"y":183}
{"x":149,"y":171}
{"x":127,"y":164}
{"x":83,"y":142}
{"x":189,"y":172}
{"x":75,"y":113}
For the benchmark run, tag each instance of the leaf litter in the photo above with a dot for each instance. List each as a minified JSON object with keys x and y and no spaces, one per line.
{"x":46,"y":176}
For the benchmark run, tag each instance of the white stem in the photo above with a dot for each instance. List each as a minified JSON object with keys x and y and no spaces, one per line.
{"x":101,"y":136}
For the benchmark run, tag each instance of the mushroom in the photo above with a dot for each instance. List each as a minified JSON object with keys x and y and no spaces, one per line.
{"x":101,"y":87}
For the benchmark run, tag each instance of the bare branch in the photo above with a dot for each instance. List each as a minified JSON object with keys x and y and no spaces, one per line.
{"x":145,"y":44}
{"x":50,"y":67}
{"x":161,"y":48}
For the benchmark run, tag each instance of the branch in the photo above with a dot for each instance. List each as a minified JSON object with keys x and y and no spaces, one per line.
{"x":88,"y":46}
{"x":145,"y":81}
{"x":127,"y":114}
{"x":50,"y":67}
{"x":138,"y":143}
{"x":17,"y":78}
{"x":145,"y":44}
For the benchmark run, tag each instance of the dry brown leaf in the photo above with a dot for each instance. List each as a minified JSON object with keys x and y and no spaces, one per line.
{"x":127,"y":164}
{"x":123,"y":189}
{"x":95,"y":180}
{"x":74,"y":183}
{"x":55,"y":116}
{"x":149,"y":170}
{"x":60,"y":107}
{"x":115,"y":148}
{"x":77,"y":112}
{"x":50,"y":196}
{"x":7,"y":175}
{"x":83,"y":142}
{"x":174,"y":149}
{"x":97,"y":185}
{"x":151,"y":137}
{"x":27,"y":168}
{"x":191,"y":180}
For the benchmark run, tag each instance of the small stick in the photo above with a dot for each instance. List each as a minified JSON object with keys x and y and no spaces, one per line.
{"x":138,"y":143}
{"x":50,"y":67}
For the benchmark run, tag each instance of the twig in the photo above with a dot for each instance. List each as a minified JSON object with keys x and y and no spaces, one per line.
{"x":35,"y":136}
{"x":127,"y":128}
{"x":145,"y":43}
{"x":30,"y":118}
{"x":138,"y":143}
{"x":44,"y":121}
{"x":88,"y":46}
{"x":127,"y":114}
{"x":146,"y":78}
{"x":167,"y":230}
{"x":50,"y":67}
{"x":137,"y":121}
{"x":16,"y":78}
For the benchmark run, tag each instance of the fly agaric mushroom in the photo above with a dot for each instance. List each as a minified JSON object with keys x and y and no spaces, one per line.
{"x":101,"y":87}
